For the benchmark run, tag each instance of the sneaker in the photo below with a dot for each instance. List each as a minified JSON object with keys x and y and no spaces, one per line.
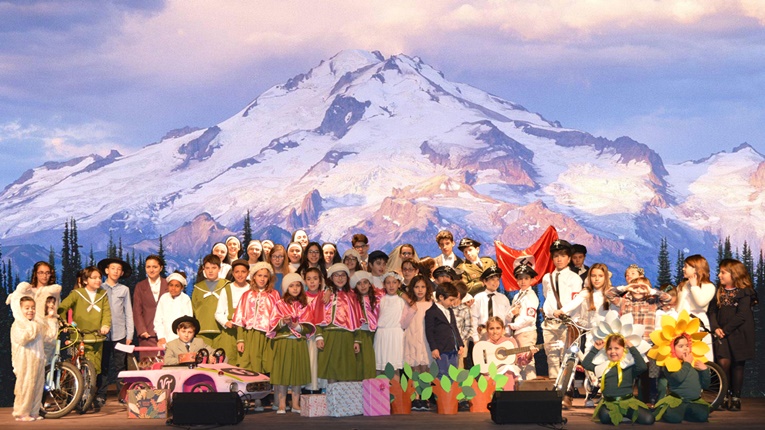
{"x":735,"y":404}
{"x":295,"y":411}
{"x":99,"y":402}
{"x":589,"y":403}
{"x":280,"y":412}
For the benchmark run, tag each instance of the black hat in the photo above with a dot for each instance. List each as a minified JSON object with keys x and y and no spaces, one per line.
{"x":445,"y":271}
{"x":186,"y":318}
{"x":524,"y":265}
{"x":466,"y":241}
{"x":578,"y":249}
{"x":126,"y":269}
{"x":376,"y":255}
{"x":560,"y":245}
{"x":491,"y":271}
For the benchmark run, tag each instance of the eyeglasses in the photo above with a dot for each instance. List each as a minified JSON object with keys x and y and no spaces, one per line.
{"x":313,"y":251}
{"x":360,"y":246}
{"x":407,"y":254}
{"x":43,"y":273}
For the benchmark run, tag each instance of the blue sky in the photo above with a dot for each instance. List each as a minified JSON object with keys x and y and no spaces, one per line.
{"x":686,"y":77}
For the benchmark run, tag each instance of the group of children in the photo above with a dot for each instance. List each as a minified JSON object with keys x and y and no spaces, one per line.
{"x":308,"y":316}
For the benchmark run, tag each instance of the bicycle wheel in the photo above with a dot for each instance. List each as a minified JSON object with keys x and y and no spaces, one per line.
{"x":88,"y":371}
{"x":715,"y":393}
{"x":66,"y":392}
{"x":563,"y":382}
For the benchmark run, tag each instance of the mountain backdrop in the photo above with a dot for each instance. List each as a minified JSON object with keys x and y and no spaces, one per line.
{"x":391,"y":148}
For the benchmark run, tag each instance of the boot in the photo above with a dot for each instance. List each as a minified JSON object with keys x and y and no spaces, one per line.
{"x":735,"y":404}
{"x":567,"y":403}
{"x":725,"y":403}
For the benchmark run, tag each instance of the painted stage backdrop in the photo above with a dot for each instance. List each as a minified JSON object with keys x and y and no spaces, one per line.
{"x":391,"y":148}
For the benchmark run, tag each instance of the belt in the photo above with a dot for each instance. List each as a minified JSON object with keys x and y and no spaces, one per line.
{"x":616,"y":399}
{"x":679,"y":397}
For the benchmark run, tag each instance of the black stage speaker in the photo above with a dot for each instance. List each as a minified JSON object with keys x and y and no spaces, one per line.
{"x":207,"y":408}
{"x":525,"y":407}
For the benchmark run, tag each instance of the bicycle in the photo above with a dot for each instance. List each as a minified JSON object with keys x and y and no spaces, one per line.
{"x":718,"y":387}
{"x":64,"y":385}
{"x":573,"y":356}
{"x":76,"y":347}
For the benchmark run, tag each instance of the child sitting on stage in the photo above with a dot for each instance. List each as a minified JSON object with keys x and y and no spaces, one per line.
{"x":495,"y":334}
{"x":616,"y":382}
{"x":28,"y":335}
{"x":185,"y":348}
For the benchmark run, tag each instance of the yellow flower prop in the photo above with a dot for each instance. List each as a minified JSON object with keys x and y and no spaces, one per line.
{"x":663,"y":339}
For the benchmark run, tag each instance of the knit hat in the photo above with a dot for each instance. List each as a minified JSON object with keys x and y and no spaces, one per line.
{"x":259,"y":266}
{"x":175,"y":276}
{"x":290,"y":279}
{"x":352,"y":253}
{"x":338,"y":267}
{"x":358,"y":276}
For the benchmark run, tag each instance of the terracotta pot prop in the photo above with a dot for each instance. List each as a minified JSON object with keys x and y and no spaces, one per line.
{"x":402,"y":400}
{"x":447,"y":402}
{"x":482,"y":398}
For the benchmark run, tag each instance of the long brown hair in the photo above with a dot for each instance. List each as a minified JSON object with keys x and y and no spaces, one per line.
{"x":738,"y":274}
{"x":428,"y":288}
{"x":51,"y":280}
{"x":370,"y":293}
{"x":285,"y":269}
{"x":701,"y":265}
{"x":606,"y":286}
{"x":288,"y":298}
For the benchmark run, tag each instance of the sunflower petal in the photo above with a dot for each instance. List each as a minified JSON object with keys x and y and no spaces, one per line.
{"x":668,"y":332}
{"x":667,"y":320}
{"x":699,"y":335}
{"x":699,"y":348}
{"x":693,"y":326}
{"x":656,"y":337}
{"x":665,"y":349}
{"x":673,"y":364}
{"x":680,"y":327}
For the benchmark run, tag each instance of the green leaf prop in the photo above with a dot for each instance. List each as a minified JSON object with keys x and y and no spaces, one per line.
{"x":483,"y":383}
{"x":453,"y":372}
{"x":614,"y":413}
{"x":381,"y":376}
{"x":392,"y":398}
{"x":426,"y":393}
{"x":492,"y":370}
{"x":446,"y":383}
{"x":434,"y":369}
{"x":408,"y":370}
{"x":475,"y":371}
{"x":413,"y":396}
{"x":426,"y":378}
{"x":501,"y":380}
{"x":461,"y":376}
{"x":403,"y":382}
{"x":469,"y":392}
{"x":390,"y":371}
{"x":460,"y":396}
{"x":468,"y":382}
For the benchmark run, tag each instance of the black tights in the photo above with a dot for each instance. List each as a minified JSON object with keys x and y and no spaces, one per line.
{"x":735,"y":372}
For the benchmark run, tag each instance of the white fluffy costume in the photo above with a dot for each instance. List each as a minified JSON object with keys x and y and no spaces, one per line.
{"x":40,"y":295}
{"x":28,"y":359}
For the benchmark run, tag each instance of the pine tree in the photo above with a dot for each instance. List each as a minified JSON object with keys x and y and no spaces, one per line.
{"x":161,"y":253}
{"x":747,"y":259}
{"x":74,"y":247}
{"x":719,"y":253}
{"x":727,"y":249}
{"x":7,"y":379}
{"x":754,"y":375}
{"x":67,"y":277}
{"x":111,"y":248}
{"x":247,"y":230}
{"x":665,"y":271}
{"x":679,"y":263}
{"x":52,"y":258}
{"x":119,"y":249}
{"x":91,"y":257}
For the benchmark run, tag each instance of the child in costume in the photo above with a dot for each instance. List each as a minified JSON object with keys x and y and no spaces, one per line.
{"x":679,"y":350}
{"x":732,"y":321}
{"x":227,"y":304}
{"x":253,"y":318}
{"x":314,"y":282}
{"x":171,"y":306}
{"x":616,"y":382}
{"x":496,"y":335}
{"x":368,"y":298}
{"x":204,"y":299}
{"x":389,"y":340}
{"x":29,"y":333}
{"x":186,"y":346}
{"x":523,"y":311}
{"x":91,"y":312}
{"x":335,"y":335}
{"x":289,"y":327}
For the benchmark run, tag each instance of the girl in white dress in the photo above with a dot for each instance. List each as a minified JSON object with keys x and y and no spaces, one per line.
{"x":389,"y":339}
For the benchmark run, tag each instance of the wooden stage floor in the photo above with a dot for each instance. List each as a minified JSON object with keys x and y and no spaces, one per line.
{"x":114,"y":416}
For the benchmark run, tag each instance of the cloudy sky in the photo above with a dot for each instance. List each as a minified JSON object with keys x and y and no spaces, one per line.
{"x":686,"y":77}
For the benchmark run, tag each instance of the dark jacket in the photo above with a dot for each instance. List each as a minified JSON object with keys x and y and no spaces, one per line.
{"x":441,"y":335}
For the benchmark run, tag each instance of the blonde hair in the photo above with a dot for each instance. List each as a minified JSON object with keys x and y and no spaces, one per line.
{"x":590,"y":288}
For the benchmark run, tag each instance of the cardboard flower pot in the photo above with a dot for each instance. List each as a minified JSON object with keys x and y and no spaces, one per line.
{"x":483,"y":397}
{"x":447,"y":401}
{"x":402,"y":400}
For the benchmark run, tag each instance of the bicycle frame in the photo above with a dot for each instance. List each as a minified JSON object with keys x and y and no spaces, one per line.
{"x":572,"y":357}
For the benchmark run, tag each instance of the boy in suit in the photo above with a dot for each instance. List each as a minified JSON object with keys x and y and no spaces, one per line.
{"x":445,"y":241}
{"x":184,"y":349}
{"x":441,"y":329}
{"x":578,"y":254}
{"x":473,"y":266}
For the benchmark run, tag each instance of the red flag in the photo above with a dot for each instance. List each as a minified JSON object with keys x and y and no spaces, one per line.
{"x":540,"y":250}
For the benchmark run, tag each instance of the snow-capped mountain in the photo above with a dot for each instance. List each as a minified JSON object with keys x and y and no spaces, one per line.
{"x":391,"y":148}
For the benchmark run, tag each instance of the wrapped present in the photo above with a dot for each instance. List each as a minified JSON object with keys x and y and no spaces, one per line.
{"x":345,"y":399}
{"x":147,"y":403}
{"x":313,"y":405}
{"x":376,"y":397}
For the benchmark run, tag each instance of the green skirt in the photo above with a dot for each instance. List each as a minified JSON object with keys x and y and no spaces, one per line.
{"x":365,"y":359}
{"x":337,"y":361}
{"x":211,"y":339}
{"x":291,"y":365}
{"x":675,"y":409}
{"x":227,"y":340}
{"x":258,"y":354}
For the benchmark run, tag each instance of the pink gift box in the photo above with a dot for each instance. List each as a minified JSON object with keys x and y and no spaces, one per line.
{"x":376,"y":394}
{"x":313,"y":405}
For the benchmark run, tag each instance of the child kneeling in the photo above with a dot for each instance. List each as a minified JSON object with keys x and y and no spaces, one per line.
{"x":684,"y":401}
{"x":616,"y":383}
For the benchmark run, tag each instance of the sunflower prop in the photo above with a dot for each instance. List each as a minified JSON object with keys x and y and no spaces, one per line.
{"x":663,"y":349}
{"x":615,"y":325}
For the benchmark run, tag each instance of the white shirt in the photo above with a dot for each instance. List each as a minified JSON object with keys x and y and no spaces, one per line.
{"x":169,"y":309}
{"x":528,"y":303}
{"x":479,"y":312}
{"x":569,"y":284}
{"x":445,"y":311}
{"x":155,"y":287}
{"x":448,"y":261}
{"x":580,"y":308}
{"x":221,"y":312}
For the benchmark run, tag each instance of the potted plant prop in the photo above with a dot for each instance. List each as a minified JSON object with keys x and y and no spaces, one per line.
{"x":402,"y":390}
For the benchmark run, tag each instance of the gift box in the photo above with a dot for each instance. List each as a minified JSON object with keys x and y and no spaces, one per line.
{"x":313,"y":405}
{"x":345,"y":399}
{"x":147,"y":403}
{"x":376,"y":397}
